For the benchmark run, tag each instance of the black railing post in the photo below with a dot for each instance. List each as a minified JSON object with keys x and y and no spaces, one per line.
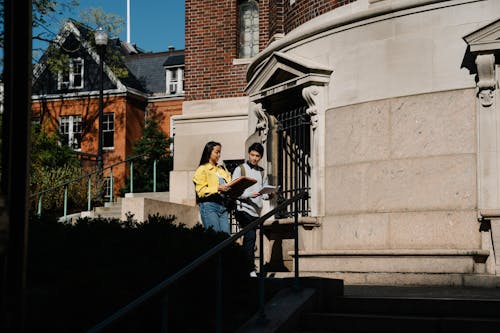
{"x":262,"y":273}
{"x":296,"y":247}
{"x":218,"y":296}
{"x":164,"y":314}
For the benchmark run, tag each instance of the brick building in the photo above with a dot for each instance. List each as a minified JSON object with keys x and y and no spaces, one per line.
{"x":68,"y":101}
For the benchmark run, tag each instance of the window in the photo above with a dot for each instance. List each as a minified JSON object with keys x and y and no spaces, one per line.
{"x":248,"y":29}
{"x":70,"y":128}
{"x":175,"y":81}
{"x":108,"y":131}
{"x":73,"y":78}
{"x":107,"y":188}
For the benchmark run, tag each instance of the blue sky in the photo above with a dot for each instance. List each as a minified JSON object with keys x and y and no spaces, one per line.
{"x":154,"y":24}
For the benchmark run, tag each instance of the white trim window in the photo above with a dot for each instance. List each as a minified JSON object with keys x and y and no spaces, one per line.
{"x":248,"y":29}
{"x":70,"y":128}
{"x":108,"y":131}
{"x":73,"y":78}
{"x":107,"y":188}
{"x":175,"y":80}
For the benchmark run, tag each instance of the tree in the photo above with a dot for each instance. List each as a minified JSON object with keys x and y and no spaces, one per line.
{"x":53,"y":164}
{"x":57,"y":57}
{"x":49,"y":15}
{"x":154,"y":145}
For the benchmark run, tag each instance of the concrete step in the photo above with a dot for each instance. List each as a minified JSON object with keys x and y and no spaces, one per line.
{"x":404,"y":279}
{"x":110,"y":210}
{"x":333,"y":322}
{"x":417,"y":306}
{"x":407,"y":309}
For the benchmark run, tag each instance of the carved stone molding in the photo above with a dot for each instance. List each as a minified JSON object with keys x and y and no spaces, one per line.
{"x":486,"y":84}
{"x":310,"y":94}
{"x":262,"y":125}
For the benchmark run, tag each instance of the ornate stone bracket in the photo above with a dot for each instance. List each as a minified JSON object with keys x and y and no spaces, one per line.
{"x":486,"y":74}
{"x":310,"y":94}
{"x":262,"y":121}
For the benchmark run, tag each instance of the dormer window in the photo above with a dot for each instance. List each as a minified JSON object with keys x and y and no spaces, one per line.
{"x":73,"y":77}
{"x":248,"y":28}
{"x":175,"y":80}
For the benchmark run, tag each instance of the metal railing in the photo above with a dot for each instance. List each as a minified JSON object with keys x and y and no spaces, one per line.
{"x":216,"y":250}
{"x":89,"y":175}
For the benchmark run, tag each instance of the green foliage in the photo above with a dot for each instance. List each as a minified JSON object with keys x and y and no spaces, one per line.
{"x":57,"y":56}
{"x":53,"y":164}
{"x":94,"y":18}
{"x":46,"y":150}
{"x":80,"y":274}
{"x":156,"y":146}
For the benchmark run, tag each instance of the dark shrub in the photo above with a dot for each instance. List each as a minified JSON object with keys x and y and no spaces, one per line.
{"x":79,"y":274}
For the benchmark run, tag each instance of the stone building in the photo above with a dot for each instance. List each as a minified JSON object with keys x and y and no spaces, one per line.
{"x":385,"y":110}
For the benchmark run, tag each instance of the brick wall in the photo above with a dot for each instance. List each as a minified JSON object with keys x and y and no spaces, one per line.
{"x":162,"y":111}
{"x":276,"y":16}
{"x":129,"y":119}
{"x":305,"y":10}
{"x":211,"y":46}
{"x":212,"y":39}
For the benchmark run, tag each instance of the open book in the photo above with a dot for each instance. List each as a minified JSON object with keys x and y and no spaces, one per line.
{"x":239,"y":185}
{"x":266,"y":189}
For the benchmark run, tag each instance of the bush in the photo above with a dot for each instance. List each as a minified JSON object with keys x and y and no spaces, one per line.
{"x":79,"y":274}
{"x":155,"y":146}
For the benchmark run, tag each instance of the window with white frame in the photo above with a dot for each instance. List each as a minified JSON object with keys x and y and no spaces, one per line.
{"x":175,"y":80}
{"x":70,"y":128}
{"x":108,"y":131}
{"x":73,"y":77}
{"x":107,"y":188}
{"x":248,"y":28}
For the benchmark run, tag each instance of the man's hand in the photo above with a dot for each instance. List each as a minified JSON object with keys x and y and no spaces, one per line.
{"x":223,"y":188}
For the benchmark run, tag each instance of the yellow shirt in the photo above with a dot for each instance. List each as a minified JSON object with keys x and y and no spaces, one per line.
{"x":206,"y":180}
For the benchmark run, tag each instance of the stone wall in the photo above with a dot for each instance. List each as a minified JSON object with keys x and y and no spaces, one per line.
{"x":401,"y":173}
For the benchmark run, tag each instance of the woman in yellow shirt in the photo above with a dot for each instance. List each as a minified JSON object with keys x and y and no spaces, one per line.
{"x":210,"y":181}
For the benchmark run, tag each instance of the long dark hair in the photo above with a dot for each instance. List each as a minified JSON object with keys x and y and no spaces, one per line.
{"x":207,"y":151}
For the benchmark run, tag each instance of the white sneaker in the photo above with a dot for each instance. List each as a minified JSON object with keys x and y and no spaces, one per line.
{"x":253,"y":274}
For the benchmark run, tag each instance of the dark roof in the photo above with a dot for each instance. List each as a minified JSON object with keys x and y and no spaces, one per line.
{"x":146,"y":70}
{"x":174,"y":60}
{"x":149,"y":68}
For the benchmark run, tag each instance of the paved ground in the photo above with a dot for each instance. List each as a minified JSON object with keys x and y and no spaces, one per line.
{"x":426,"y":292}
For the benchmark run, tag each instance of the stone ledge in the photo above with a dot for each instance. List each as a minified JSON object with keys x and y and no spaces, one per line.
{"x":395,"y":252}
{"x":305,"y":221}
{"x":431,"y":261}
{"x":405,"y":279}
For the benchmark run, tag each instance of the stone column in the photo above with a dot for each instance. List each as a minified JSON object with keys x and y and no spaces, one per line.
{"x":314,"y":96}
{"x":488,"y":117}
{"x":488,"y":157}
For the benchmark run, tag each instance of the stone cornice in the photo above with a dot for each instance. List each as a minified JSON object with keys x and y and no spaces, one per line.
{"x":332,"y":20}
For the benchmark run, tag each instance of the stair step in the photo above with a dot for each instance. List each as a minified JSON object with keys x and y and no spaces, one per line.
{"x":335,"y":322}
{"x":435,"y":307}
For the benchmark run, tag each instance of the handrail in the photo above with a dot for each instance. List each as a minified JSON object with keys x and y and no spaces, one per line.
{"x":193,"y":265}
{"x":84,"y":176}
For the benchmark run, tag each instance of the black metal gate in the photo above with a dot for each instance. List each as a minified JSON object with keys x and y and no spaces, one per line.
{"x":294,"y":151}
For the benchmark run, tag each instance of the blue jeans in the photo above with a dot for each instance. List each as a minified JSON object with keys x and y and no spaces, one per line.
{"x":249,"y":238}
{"x":214,"y":215}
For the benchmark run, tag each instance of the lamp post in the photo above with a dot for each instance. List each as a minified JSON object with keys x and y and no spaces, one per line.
{"x":101,"y":40}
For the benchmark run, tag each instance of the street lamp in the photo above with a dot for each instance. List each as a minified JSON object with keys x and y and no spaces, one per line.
{"x":101,"y":40}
